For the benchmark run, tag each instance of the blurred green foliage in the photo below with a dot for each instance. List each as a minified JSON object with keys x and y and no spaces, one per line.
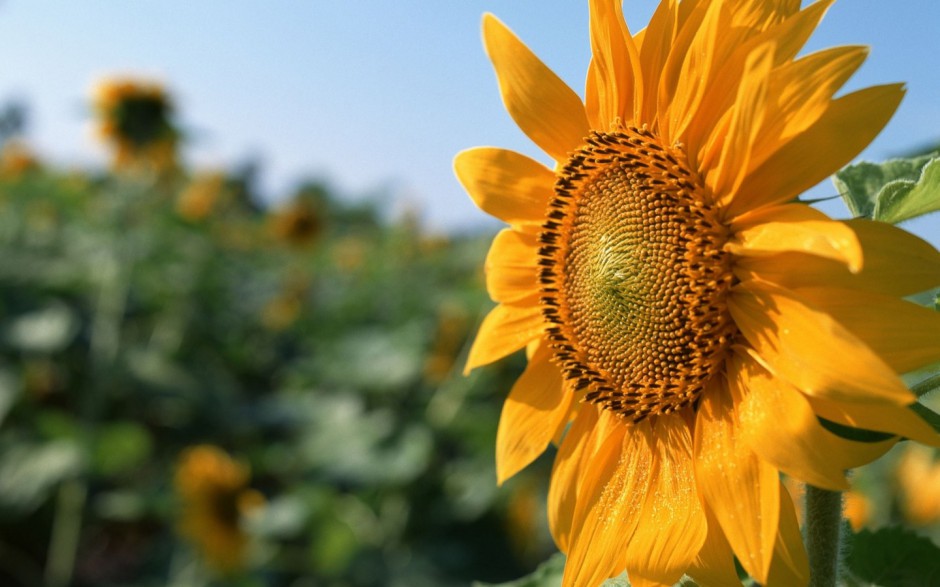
{"x":320,"y":344}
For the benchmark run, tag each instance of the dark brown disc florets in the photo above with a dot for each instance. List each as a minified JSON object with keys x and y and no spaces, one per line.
{"x":633,"y":276}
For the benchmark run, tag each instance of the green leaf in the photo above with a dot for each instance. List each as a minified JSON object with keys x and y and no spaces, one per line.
{"x":548,"y":574}
{"x":893,"y":191}
{"x":932,"y":417}
{"x":903,"y":200}
{"x":893,"y":557}
{"x":29,"y":472}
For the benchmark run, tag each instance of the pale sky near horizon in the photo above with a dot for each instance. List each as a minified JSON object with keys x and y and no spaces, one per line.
{"x":374,"y":95}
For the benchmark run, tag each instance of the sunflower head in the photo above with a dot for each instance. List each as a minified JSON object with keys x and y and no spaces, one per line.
{"x":17,"y":160}
{"x":687,"y":320}
{"x":297,"y":224}
{"x":215,"y":497}
{"x":135,"y":119}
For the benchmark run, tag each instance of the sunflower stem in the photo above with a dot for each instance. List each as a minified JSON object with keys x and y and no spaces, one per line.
{"x":823,"y":535}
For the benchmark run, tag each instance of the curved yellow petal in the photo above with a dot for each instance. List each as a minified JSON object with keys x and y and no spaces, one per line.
{"x":654,"y":50}
{"x":787,"y":36}
{"x":844,"y":129}
{"x":905,"y":335}
{"x":505,"y":330}
{"x":801,"y":92}
{"x":688,"y":71}
{"x":672,"y":525}
{"x":900,"y":420}
{"x":795,"y":227}
{"x":690,"y":18}
{"x":778,"y":423}
{"x":609,"y":501}
{"x":714,"y":565}
{"x":574,"y":454}
{"x":618,"y":78}
{"x":545,"y":108}
{"x":740,"y":488}
{"x":506,"y":184}
{"x":808,"y":348}
{"x":534,"y":408}
{"x":511,"y":266}
{"x":746,"y":118}
{"x":895,"y":262}
{"x":790,"y":566}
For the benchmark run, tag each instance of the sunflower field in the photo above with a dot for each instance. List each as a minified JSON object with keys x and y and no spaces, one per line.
{"x":198,"y":388}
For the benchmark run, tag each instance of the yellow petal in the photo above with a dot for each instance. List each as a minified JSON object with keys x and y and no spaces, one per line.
{"x":690,"y":18}
{"x":900,"y":420}
{"x":740,"y":488}
{"x":790,"y":566}
{"x":689,"y":71}
{"x":545,"y":108}
{"x":778,"y":423}
{"x":511,"y":266}
{"x":505,"y":330}
{"x":534,"y":408}
{"x":895,"y":263}
{"x":574,"y":453}
{"x":802,"y":90}
{"x":846,"y":127}
{"x":709,"y":128}
{"x":616,"y":63}
{"x":505,"y":184}
{"x":654,"y":50}
{"x":609,"y":502}
{"x":905,"y":335}
{"x":748,"y":113}
{"x":672,"y":525}
{"x":810,"y":349}
{"x":714,"y":565}
{"x":795,"y":227}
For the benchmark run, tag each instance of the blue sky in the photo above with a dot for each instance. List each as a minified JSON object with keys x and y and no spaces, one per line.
{"x":373,"y":94}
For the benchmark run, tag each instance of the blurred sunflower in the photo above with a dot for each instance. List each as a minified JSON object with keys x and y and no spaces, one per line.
{"x":215,"y":498}
{"x":135,"y":119}
{"x":675,"y":299}
{"x":16,"y":160}
{"x":298,"y":223}
{"x":201,"y":196}
{"x":918,"y":476}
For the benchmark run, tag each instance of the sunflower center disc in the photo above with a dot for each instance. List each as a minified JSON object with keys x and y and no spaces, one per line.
{"x":633,"y":276}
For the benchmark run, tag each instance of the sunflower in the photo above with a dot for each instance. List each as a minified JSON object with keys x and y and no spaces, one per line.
{"x":135,"y":118}
{"x":688,"y":321}
{"x":215,"y":497}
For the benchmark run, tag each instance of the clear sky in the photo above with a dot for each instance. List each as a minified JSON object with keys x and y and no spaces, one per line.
{"x":373,"y":94}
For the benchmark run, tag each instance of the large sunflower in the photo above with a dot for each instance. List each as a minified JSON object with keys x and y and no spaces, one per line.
{"x":686,"y":320}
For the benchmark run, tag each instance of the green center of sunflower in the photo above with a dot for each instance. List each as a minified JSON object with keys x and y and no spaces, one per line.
{"x":633,"y":276}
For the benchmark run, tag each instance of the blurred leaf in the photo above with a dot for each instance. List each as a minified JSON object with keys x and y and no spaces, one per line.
{"x":47,"y":330}
{"x":548,"y":574}
{"x":893,"y":191}
{"x":283,"y":517}
{"x":893,"y":557}
{"x":28,"y":473}
{"x":120,"y":447}
{"x":9,"y":390}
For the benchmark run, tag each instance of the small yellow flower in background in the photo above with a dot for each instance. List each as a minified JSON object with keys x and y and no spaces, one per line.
{"x":135,"y":119}
{"x":858,"y":509}
{"x":16,"y":160}
{"x":918,"y":477}
{"x":203,"y":194}
{"x":686,"y":321}
{"x":297,"y":223}
{"x":215,"y":497}
{"x":283,"y":309}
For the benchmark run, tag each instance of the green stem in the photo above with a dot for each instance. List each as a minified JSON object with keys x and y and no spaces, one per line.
{"x":823,"y":534}
{"x":66,"y":532}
